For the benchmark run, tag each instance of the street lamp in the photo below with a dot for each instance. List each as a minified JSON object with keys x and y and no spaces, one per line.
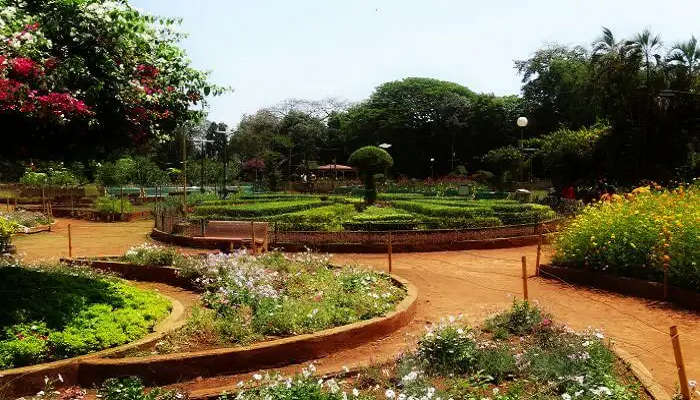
{"x":203,"y":141}
{"x":385,"y":146}
{"x":522,"y":123}
{"x":432,"y":169}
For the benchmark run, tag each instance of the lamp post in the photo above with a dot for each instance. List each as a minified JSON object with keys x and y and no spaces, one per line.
{"x":522,"y":123}
{"x":225,"y":189}
{"x":432,"y":169}
{"x":202,"y":141}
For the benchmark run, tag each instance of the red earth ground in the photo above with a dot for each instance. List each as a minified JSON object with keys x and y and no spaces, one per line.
{"x":474,"y":283}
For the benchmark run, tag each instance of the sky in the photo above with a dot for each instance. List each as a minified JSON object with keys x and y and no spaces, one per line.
{"x":269,"y":51}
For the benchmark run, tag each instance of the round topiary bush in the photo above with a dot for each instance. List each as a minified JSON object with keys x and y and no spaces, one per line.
{"x":370,"y":160}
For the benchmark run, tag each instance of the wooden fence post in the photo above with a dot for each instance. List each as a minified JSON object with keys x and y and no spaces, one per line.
{"x":524,"y":261}
{"x":252,"y":236}
{"x":70,"y":243}
{"x":537,"y":261}
{"x":389,"y":251}
{"x":682,"y":377}
{"x":665,"y":281}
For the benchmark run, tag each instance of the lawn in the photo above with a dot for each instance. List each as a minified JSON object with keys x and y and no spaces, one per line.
{"x":393,"y":211}
{"x":53,"y":312}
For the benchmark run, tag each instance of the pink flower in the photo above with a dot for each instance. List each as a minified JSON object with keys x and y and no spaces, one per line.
{"x":25,"y":68}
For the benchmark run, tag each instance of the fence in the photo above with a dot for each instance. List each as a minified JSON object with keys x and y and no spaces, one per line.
{"x":372,"y":241}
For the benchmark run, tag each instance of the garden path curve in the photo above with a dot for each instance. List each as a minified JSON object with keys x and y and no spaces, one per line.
{"x":474,"y":283}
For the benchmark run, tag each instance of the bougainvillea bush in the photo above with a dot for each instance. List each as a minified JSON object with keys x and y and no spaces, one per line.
{"x":90,"y":75}
{"x":248,"y":298}
{"x":636,"y":234}
{"x":52,"y":312}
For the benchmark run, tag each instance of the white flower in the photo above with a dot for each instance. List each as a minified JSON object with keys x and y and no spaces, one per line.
{"x":411,"y":376}
{"x":60,"y":377}
{"x":390,"y":394}
{"x":495,"y":390}
{"x":579,"y":379}
{"x":257,"y":377}
{"x":692,"y":384}
{"x":599,"y":335}
{"x":578,"y":393}
{"x":566,"y":396}
{"x":355,"y":392}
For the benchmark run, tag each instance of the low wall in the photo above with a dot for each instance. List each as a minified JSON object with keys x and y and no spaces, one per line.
{"x":623,"y":285}
{"x":162,"y":274}
{"x":377,"y":241}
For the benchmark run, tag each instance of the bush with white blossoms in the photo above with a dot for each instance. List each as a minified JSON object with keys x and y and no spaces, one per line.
{"x":151,"y":254}
{"x":247,"y":298}
{"x":454,"y":361}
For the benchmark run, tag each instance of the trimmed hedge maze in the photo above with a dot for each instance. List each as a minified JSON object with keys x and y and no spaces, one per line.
{"x":404,"y":211}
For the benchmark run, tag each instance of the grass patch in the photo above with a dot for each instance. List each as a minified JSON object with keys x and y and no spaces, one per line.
{"x":53,"y":312}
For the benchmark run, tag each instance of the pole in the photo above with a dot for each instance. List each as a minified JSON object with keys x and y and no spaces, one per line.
{"x":201,"y":184}
{"x":70,"y":243}
{"x":537,"y":261}
{"x":184,"y":173}
{"x":252,"y":236}
{"x":665,"y":281}
{"x":524,"y":261}
{"x":389,"y":251}
{"x":678,"y":355}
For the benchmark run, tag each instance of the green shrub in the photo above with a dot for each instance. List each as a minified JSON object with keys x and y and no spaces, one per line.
{"x":131,"y":388}
{"x":370,"y":160}
{"x":53,"y":312}
{"x":435,"y":210}
{"x":150,"y":254}
{"x":521,"y":319}
{"x":257,"y":209}
{"x":448,"y":348}
{"x":634,"y":236}
{"x":112,"y":205}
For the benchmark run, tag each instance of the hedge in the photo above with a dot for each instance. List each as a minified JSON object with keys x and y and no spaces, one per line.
{"x":435,"y":210}
{"x":257,"y":209}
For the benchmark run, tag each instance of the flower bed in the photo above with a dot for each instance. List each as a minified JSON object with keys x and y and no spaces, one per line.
{"x":28,"y":219}
{"x":636,"y":235}
{"x":52,"y":312}
{"x":519,"y":353}
{"x":401,"y":211}
{"x":248,"y":298}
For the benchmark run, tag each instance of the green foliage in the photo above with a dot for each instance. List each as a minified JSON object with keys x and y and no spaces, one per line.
{"x":256,"y":209}
{"x":636,"y":235}
{"x":56,"y":312}
{"x":150,"y":254}
{"x":108,"y":205}
{"x":25,"y":218}
{"x":370,"y":160}
{"x":252,"y":297}
{"x":131,"y":388}
{"x":449,"y":348}
{"x":521,"y":319}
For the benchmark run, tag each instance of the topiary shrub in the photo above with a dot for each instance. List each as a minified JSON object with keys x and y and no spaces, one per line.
{"x":369,"y":161}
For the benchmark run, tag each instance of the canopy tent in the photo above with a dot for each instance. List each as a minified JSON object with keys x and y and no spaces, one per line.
{"x":333,"y":169}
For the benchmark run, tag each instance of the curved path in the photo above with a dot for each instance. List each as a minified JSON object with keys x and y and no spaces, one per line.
{"x":474,"y":283}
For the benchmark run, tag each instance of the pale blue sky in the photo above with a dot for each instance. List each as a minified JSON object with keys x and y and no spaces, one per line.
{"x":269,"y":51}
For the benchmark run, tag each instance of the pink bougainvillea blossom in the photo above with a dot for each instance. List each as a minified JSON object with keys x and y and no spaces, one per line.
{"x":25,"y":68}
{"x":62,"y":105}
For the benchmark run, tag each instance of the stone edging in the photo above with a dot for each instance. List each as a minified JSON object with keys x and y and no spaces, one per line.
{"x":30,"y":379}
{"x":620,"y":284}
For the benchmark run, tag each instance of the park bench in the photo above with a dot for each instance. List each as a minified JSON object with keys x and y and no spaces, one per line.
{"x":238,"y":234}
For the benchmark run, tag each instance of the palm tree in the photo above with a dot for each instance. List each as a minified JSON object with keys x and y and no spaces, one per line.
{"x":648,"y":44}
{"x":686,"y":54}
{"x":607,"y":44}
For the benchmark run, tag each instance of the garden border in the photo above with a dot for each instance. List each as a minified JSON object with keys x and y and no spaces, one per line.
{"x":171,"y":368}
{"x":29,"y":380}
{"x":376,"y":241}
{"x":623,"y":285}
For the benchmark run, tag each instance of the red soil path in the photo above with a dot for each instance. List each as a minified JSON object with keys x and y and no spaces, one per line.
{"x":473,"y":283}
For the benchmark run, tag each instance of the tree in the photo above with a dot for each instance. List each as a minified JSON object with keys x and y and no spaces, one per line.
{"x":86,"y":78}
{"x":369,"y":161}
{"x":648,"y":44}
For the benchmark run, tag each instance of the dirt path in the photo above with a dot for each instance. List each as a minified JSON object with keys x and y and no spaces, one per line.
{"x":481,"y":282}
{"x":88,"y":238}
{"x":473,"y":283}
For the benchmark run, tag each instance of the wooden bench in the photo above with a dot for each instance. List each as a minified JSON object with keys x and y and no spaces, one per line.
{"x":238,"y":234}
